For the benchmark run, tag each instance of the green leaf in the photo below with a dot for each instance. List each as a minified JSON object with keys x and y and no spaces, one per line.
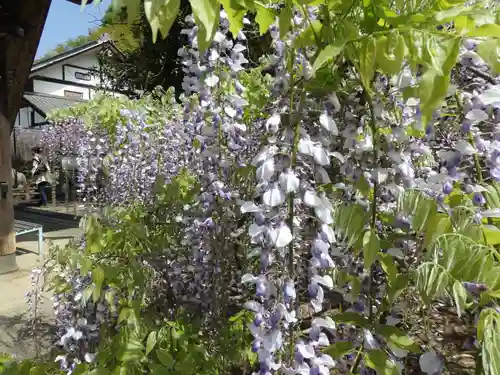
{"x":492,"y":234}
{"x":97,"y":278}
{"x":388,"y":265}
{"x":436,"y":226}
{"x":440,"y":56}
{"x":99,"y":371}
{"x":307,"y":36}
{"x":235,"y":14}
{"x":87,"y":292}
{"x":151,"y":342}
{"x":491,"y":30}
{"x":164,"y":357}
{"x":371,"y":246}
{"x":398,"y":338}
{"x":285,"y":21}
{"x":390,"y":51}
{"x":488,"y":333}
{"x":351,"y":318}
{"x":350,"y":221}
{"x":432,"y":280}
{"x":492,"y":195}
{"x":161,"y":14}
{"x":328,"y":53}
{"x":132,"y":350}
{"x":206,"y":13}
{"x":462,"y":258}
{"x":124,"y":314}
{"x":265,"y":18}
{"x":489,"y":51}
{"x":367,"y":55}
{"x":85,"y":265}
{"x":460,"y":296}
{"x":378,"y":360}
{"x":493,"y":293}
{"x":339,"y":349}
{"x":397,"y":286}
{"x":426,"y":209}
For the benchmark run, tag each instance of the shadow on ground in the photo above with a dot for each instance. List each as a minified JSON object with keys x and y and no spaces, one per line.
{"x":18,"y":336}
{"x":49,"y":223}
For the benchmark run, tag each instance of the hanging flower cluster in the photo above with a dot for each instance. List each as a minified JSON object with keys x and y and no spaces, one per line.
{"x":325,"y":199}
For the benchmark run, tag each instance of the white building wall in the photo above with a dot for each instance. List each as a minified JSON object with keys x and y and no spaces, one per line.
{"x":58,"y":89}
{"x":24,"y":118}
{"x":67,"y":70}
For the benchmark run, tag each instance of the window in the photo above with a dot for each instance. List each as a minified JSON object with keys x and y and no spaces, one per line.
{"x":73,"y":94}
{"x":82,"y":76}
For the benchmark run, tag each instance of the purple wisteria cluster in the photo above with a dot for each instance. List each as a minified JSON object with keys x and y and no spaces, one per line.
{"x":313,"y":220}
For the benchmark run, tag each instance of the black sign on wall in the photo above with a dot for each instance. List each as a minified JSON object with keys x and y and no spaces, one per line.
{"x":82,"y":76}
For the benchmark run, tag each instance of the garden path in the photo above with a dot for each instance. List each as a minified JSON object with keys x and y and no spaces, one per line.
{"x":15,"y":333}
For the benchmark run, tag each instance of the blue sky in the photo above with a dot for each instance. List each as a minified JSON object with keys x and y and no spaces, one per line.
{"x":67,"y":20}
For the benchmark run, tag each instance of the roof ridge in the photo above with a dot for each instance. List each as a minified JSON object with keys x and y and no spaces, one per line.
{"x":52,"y":96}
{"x":72,"y":52}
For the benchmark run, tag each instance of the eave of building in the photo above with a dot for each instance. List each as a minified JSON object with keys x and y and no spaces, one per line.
{"x":60,"y":58}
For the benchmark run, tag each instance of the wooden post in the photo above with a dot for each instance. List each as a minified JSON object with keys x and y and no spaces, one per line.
{"x":27,"y":195}
{"x":7,"y":236}
{"x":53,"y":191}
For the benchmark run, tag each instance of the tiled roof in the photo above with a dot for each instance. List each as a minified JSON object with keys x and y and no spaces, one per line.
{"x":46,"y":103}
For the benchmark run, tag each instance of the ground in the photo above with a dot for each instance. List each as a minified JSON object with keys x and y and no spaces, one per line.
{"x":15,"y":332}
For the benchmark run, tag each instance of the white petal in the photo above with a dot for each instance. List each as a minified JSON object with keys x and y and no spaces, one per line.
{"x":430,"y":363}
{"x":249,"y":207}
{"x":324,"y":214}
{"x":324,"y":360}
{"x":329,"y":233}
{"x":465,"y":147}
{"x":289,"y":181}
{"x":317,"y":303}
{"x":380,"y":175}
{"x":248,"y":278}
{"x":254,"y":230}
{"x":273,"y":197}
{"x":370,"y":342}
{"x":476,"y":115}
{"x":281,"y":236}
{"x":261,"y":156}
{"x":324,"y":322}
{"x":273,"y":122}
{"x":305,"y":146}
{"x":322,"y":175}
{"x":239,"y":48}
{"x":320,"y":155}
{"x":253,"y":306}
{"x":266,"y":171}
{"x":323,"y":280}
{"x":212,"y":80}
{"x":230,"y":111}
{"x":328,"y":123}
{"x":491,"y":96}
{"x":494,"y":212}
{"x":305,"y":350}
{"x":323,"y":340}
{"x":311,"y":199}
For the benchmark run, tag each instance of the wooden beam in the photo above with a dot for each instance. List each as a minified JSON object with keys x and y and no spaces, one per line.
{"x":16,"y":57}
{"x":19,"y":52}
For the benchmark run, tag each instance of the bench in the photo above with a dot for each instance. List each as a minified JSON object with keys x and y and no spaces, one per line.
{"x":27,"y":192}
{"x":24,"y":227}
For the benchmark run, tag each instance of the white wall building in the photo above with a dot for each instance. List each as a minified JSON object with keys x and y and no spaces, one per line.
{"x":60,"y":81}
